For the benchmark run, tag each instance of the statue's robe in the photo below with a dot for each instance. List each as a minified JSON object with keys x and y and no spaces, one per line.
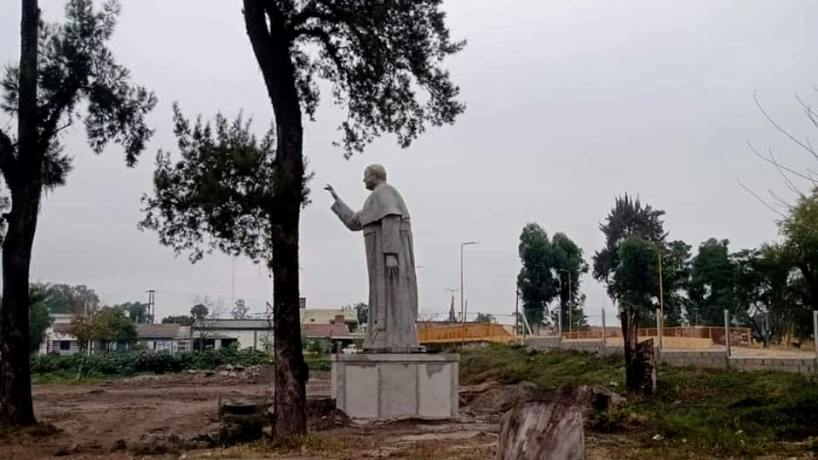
{"x":393,"y":297}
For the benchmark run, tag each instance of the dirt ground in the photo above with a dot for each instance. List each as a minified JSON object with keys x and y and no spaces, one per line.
{"x":176,"y":416}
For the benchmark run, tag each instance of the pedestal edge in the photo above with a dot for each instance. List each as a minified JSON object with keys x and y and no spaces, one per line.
{"x":396,"y":357}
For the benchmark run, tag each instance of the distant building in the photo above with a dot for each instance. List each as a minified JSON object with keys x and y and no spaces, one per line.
{"x":58,"y":338}
{"x":327,"y":325}
{"x":258,"y":333}
{"x":172,"y":338}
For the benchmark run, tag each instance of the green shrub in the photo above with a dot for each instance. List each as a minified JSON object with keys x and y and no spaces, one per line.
{"x":136,"y":362}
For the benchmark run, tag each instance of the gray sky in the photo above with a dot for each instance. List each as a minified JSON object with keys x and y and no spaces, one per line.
{"x":569,"y":105}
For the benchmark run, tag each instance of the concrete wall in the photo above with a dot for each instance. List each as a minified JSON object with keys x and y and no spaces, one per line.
{"x":797,"y":366}
{"x":683,"y":358}
{"x":700,"y":359}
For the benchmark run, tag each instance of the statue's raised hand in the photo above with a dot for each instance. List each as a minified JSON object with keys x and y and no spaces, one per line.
{"x":331,"y":191}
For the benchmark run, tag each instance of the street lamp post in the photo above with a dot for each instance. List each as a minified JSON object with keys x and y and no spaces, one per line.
{"x":462,"y":284}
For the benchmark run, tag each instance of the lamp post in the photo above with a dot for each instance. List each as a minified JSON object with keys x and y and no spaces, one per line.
{"x":462,"y":287}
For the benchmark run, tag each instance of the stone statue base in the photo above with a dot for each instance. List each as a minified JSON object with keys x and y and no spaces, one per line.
{"x":396,"y":385}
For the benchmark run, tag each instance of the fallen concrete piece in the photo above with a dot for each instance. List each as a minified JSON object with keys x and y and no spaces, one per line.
{"x":542,"y":430}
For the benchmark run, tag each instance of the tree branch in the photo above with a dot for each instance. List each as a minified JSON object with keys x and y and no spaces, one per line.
{"x":333,"y":51}
{"x":771,"y":160}
{"x":813,"y":117}
{"x":783,"y":131}
{"x":761,"y":200}
{"x":258,"y":32}
{"x":61,"y":102}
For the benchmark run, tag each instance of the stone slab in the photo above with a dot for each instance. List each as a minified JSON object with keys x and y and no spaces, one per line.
{"x":394,"y":385}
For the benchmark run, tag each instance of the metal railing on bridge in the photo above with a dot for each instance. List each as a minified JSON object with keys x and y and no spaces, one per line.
{"x":436,"y":333}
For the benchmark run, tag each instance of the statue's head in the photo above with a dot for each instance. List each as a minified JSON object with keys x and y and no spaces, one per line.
{"x":374,"y":175}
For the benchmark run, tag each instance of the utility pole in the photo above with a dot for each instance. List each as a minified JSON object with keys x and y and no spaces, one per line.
{"x":727,"y":332}
{"x":570,"y":305}
{"x":152,"y":305}
{"x":452,"y":315}
{"x":661,"y":319}
{"x":517,"y":314}
{"x":462,"y":284}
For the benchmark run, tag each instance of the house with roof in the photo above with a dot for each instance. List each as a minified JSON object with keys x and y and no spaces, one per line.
{"x":172,"y":338}
{"x":258,"y":333}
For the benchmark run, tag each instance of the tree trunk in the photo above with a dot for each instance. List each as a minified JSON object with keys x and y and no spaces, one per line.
{"x":271,"y":45}
{"x":289,"y":417}
{"x":24,"y":179}
{"x":630,"y":338}
{"x":15,"y":380}
{"x":542,"y":430}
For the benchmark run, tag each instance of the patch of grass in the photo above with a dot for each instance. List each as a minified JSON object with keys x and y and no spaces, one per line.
{"x":721,"y":412}
{"x":318,"y":362}
{"x":313,"y":444}
{"x":550,"y":369}
{"x":70,"y":378}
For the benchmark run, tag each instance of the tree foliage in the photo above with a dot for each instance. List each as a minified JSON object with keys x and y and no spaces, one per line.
{"x":199,"y":313}
{"x":240,"y":310}
{"x":39,"y":317}
{"x":628,"y":218}
{"x":184,"y":320}
{"x":634,"y":279}
{"x":107,"y":325}
{"x":712,"y":284}
{"x":64,"y":298}
{"x":485,"y":318}
{"x":800,"y":232}
{"x":536,"y":281}
{"x":75,"y":65}
{"x":219,"y":194}
{"x":382,"y":61}
{"x":138,"y":312}
{"x":675,"y":280}
{"x":570,"y":266}
{"x":362,"y":313}
{"x":551,"y":269}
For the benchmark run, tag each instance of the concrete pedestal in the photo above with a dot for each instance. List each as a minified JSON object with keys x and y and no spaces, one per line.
{"x":396,"y":385}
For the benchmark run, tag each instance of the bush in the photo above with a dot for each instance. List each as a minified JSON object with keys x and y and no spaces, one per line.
{"x":135,"y":362}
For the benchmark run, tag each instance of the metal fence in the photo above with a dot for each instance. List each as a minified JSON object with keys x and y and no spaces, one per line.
{"x":739,"y":336}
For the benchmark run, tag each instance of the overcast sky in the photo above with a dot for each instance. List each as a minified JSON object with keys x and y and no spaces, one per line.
{"x":569,"y":104}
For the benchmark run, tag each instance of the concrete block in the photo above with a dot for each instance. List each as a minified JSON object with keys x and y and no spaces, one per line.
{"x":389,"y":386}
{"x":433,"y":403}
{"x":359,"y":388}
